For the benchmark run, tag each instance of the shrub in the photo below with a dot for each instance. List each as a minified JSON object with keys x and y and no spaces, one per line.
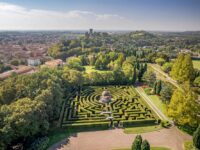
{"x":39,"y":144}
{"x":165,"y":123}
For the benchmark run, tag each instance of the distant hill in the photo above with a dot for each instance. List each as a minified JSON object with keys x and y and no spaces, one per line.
{"x":143,"y":35}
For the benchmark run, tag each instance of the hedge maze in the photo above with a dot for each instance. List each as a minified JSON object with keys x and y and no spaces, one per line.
{"x":126,"y":108}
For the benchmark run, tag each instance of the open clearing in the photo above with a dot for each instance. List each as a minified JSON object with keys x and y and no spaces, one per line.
{"x":89,"y":69}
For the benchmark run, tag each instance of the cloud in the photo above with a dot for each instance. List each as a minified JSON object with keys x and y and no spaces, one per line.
{"x":14,"y":17}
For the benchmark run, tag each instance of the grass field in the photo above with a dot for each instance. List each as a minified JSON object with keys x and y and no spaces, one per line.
{"x":153,"y":148}
{"x":188,"y":145}
{"x":156,"y":100}
{"x":196,"y":64}
{"x":137,"y":130}
{"x":89,"y":69}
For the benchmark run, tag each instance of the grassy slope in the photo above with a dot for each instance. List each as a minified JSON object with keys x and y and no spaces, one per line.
{"x":196,"y":64}
{"x":137,"y":130}
{"x":156,"y":100}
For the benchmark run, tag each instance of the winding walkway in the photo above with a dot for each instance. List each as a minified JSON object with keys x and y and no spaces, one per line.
{"x":116,"y":138}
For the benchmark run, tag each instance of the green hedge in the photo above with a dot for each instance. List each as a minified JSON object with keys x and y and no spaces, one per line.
{"x":129,"y":123}
{"x":102,"y":125}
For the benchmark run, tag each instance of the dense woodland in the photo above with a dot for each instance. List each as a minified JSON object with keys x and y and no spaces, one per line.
{"x":30,"y":105}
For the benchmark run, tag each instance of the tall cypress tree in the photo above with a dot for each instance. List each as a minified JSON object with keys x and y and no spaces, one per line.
{"x":145,"y":145}
{"x":158,"y":87}
{"x":137,"y":143}
{"x":145,"y":67}
{"x":134,"y":75}
{"x":140,"y":74}
{"x":154,"y":87}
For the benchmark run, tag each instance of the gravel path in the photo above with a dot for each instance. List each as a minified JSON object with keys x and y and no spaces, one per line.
{"x":116,"y":138}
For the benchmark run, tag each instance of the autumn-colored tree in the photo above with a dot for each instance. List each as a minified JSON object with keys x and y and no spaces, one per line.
{"x":182,"y":69}
{"x":183,"y":107}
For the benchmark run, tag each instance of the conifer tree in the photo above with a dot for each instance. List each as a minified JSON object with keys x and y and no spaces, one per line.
{"x":134,"y":75}
{"x":158,"y":87}
{"x":154,"y":87}
{"x":145,"y":145}
{"x":137,"y":143}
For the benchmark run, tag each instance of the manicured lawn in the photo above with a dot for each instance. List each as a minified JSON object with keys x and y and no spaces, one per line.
{"x":156,"y":100}
{"x":196,"y":64}
{"x":137,"y":130}
{"x":153,"y":148}
{"x":188,"y":145}
{"x":89,"y":69}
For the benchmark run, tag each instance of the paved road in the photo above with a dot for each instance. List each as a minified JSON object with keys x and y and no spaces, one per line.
{"x":151,"y":104}
{"x":167,"y":77}
{"x":112,"y":139}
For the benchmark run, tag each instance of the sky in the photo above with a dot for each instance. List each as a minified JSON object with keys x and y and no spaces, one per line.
{"x":150,"y":15}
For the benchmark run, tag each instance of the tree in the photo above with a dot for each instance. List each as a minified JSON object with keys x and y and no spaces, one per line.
{"x":137,"y":143}
{"x":23,"y":118}
{"x":15,"y":62}
{"x":196,"y":138}
{"x":160,"y":61}
{"x":145,"y":145}
{"x":167,"y":67}
{"x":166,"y":92}
{"x":75,"y":63}
{"x":140,"y":74}
{"x":183,"y":107}
{"x":150,"y":78}
{"x":154,"y":87}
{"x":55,"y":50}
{"x":128,"y":70}
{"x":197,"y":81}
{"x":134,"y":75}
{"x":182,"y":69}
{"x":145,"y":67}
{"x":74,"y":77}
{"x":158,"y":87}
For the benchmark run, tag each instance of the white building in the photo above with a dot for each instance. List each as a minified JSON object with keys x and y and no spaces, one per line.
{"x":33,"y":61}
